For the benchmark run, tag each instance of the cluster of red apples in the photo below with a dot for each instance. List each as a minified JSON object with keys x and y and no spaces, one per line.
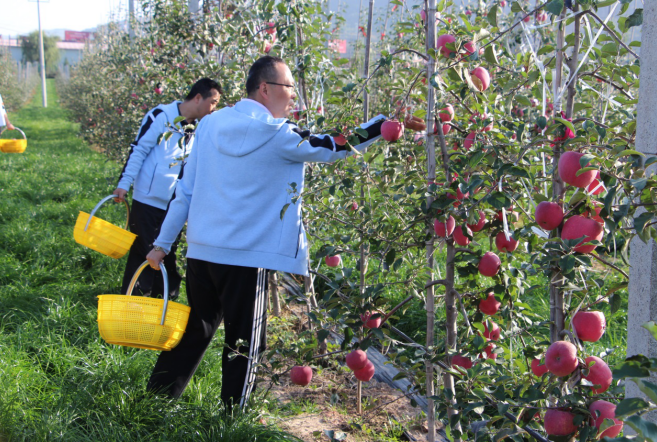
{"x":357,"y":360}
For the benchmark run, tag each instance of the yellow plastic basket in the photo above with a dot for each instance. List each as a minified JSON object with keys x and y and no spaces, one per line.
{"x":141,"y":322}
{"x":102,"y":236}
{"x":14,"y":146}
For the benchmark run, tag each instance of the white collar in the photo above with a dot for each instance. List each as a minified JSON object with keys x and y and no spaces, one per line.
{"x":259,"y":104}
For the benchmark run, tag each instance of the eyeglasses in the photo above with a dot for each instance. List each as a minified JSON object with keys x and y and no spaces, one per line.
{"x":281,"y":84}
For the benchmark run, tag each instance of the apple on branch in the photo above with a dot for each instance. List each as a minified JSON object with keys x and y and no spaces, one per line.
{"x":561,"y":358}
{"x":366,"y":373}
{"x":589,"y":325}
{"x":356,"y":359}
{"x":559,"y":422}
{"x":333,"y":261}
{"x":301,"y":375}
{"x":578,"y":226}
{"x":601,"y":410}
{"x":489,"y":264}
{"x":460,"y":238}
{"x":490,"y":305}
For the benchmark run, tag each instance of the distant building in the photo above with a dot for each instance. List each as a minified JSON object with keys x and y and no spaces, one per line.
{"x":70,"y":49}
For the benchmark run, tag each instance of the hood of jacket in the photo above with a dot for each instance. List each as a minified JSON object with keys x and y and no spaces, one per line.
{"x":239,"y":130}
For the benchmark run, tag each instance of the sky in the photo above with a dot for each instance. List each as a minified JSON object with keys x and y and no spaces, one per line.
{"x":20,"y":16}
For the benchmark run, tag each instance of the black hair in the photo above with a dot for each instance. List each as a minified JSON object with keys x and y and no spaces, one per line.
{"x":204,"y":87}
{"x":262,"y":70}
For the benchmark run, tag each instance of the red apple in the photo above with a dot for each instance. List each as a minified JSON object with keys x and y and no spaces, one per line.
{"x":459,"y":196}
{"x":527,"y":19}
{"x":469,"y":48}
{"x":606,"y":410}
{"x":578,"y":226}
{"x":333,"y":261}
{"x":469,"y":140}
{"x":442,"y":42}
{"x":356,"y":359}
{"x":599,"y":374}
{"x":503,"y":3}
{"x":392,"y":130}
{"x":459,"y":236}
{"x":490,"y":305}
{"x":365,"y":374}
{"x":568,"y":168}
{"x":158,"y":90}
{"x":447,"y":115}
{"x":561,"y":358}
{"x":480,"y":78}
{"x":597,"y":216}
{"x":371,"y":323}
{"x":301,"y":375}
{"x":271,"y":28}
{"x":482,"y":117}
{"x":596,"y":188}
{"x":505,"y":245}
{"x":489,"y":264}
{"x":538,"y":369}
{"x":462,"y":361}
{"x":549,"y":215}
{"x":589,"y":326}
{"x":494,"y":333}
{"x":340,"y":140}
{"x":541,"y":16}
{"x":480,"y":224}
{"x":354,"y":206}
{"x":559,"y":423}
{"x":444,"y":229}
{"x":488,"y":351}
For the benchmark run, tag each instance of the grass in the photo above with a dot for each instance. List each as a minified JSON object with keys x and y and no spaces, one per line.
{"x":58,"y":379}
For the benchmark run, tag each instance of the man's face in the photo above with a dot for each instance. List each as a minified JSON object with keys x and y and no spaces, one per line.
{"x":281,"y":97}
{"x":205,"y":106}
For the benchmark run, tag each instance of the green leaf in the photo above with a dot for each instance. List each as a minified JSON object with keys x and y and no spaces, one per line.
{"x":631,"y":406}
{"x":615,"y":302}
{"x":284,"y":209}
{"x":390,"y":257}
{"x":628,"y":152}
{"x":362,"y":132}
{"x":492,"y":16}
{"x":648,"y":388}
{"x":322,"y":335}
{"x":651,"y":327}
{"x":639,"y":224}
{"x":633,"y":367}
{"x":490,"y":55}
{"x":555,"y":7}
{"x":635,"y":19}
{"x":645,"y":428}
{"x":566,"y":123}
{"x":523,"y":100}
{"x":585,"y":159}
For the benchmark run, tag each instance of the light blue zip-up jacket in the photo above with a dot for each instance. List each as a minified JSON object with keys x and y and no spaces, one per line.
{"x":237,"y":180}
{"x":154,"y":168}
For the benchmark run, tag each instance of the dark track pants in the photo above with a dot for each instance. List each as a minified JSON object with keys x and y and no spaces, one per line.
{"x":238,"y":295}
{"x":145,"y":222}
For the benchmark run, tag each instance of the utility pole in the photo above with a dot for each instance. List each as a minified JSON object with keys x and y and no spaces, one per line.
{"x":42,"y":57}
{"x":131,"y":18}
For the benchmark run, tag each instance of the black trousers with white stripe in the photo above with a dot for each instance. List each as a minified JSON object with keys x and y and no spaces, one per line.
{"x":216,"y":292}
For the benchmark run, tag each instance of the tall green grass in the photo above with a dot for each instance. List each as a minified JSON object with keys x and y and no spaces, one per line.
{"x":58,"y":379}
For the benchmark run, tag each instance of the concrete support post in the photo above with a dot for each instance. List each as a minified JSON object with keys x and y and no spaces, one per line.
{"x":643,"y":257}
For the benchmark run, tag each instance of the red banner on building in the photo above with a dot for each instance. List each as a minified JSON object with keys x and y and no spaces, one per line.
{"x":77,"y":36}
{"x":338,"y":45}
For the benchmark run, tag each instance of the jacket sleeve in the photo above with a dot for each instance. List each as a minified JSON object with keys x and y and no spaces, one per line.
{"x":178,"y":208}
{"x":151,"y":128}
{"x":301,"y":146}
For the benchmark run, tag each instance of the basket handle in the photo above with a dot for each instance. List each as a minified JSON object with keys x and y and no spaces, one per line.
{"x":93,"y":212}
{"x":22,"y":133}
{"x":133,"y":282}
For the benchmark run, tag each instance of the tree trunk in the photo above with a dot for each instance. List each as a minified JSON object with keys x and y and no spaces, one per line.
{"x":430,"y":7}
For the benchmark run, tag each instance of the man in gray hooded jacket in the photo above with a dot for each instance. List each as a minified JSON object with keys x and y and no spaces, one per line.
{"x":234,"y":186}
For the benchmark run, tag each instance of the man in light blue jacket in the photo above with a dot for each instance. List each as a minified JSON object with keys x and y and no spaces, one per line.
{"x":234,"y":185}
{"x":152,"y":167}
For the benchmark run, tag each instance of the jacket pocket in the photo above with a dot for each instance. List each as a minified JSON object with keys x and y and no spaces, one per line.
{"x":164,"y":181}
